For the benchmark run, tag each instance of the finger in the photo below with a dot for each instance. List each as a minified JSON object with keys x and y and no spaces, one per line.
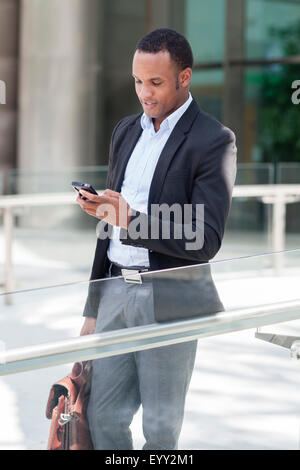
{"x":80,"y":201}
{"x":92,"y":213}
{"x":88,"y":207}
{"x":88,"y":195}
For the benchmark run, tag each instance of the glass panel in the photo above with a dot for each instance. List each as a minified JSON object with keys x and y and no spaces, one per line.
{"x":254,"y":173}
{"x":46,"y":230}
{"x":243,"y":392}
{"x":249,"y":229}
{"x":179,"y":290}
{"x":28,"y":182}
{"x":44,"y":237}
{"x":205,"y":29}
{"x":123,"y":24}
{"x":268,"y":93}
{"x":272,"y":28}
{"x":49,"y":246}
{"x":207,"y":89}
{"x":289,"y":173}
{"x":249,"y":226}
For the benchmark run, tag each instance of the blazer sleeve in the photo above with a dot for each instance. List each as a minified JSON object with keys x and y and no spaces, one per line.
{"x":211,"y":191}
{"x":110,"y":155}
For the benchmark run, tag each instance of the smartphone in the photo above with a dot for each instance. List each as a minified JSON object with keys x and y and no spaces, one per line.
{"x":87,"y":187}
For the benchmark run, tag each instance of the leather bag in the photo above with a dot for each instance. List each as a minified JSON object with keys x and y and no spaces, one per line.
{"x":66,"y":407}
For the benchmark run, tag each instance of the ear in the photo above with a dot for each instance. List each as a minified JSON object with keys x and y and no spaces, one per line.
{"x":185,"y":77}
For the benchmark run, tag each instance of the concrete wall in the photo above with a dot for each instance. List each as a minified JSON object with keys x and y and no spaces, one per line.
{"x":59,"y":70}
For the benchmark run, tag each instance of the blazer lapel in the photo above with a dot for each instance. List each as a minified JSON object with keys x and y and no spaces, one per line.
{"x":129,"y":142}
{"x":177,"y":137}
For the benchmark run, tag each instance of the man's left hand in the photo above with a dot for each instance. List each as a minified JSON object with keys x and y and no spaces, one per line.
{"x":109,"y":206}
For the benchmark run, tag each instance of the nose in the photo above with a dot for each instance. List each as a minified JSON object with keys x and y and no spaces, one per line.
{"x":146,"y":92}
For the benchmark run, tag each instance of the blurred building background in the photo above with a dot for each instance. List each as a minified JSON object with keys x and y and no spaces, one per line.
{"x":67,"y":66}
{"x":67,"y":69}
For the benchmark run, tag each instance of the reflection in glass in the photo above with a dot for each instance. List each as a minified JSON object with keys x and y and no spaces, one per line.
{"x":55,"y":313}
{"x":272,"y":29}
{"x":205,"y":29}
{"x":207,"y":89}
{"x":190,"y":291}
{"x":269,"y":137}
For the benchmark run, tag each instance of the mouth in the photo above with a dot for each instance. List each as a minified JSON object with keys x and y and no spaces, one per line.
{"x":148,"y":104}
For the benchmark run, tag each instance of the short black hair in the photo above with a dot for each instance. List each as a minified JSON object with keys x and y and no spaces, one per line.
{"x":165,"y":39}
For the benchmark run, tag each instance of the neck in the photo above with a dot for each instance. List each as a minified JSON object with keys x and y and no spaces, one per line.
{"x":157,"y":121}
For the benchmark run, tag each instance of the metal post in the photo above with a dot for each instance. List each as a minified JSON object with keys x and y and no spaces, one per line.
{"x":279,"y":211}
{"x":8,"y":220}
{"x":278,"y":223}
{"x":278,"y":202}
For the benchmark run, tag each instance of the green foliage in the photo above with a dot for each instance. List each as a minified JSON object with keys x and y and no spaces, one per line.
{"x":279,"y":118}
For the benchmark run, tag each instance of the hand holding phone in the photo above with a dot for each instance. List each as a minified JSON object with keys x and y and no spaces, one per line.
{"x":109,"y":206}
{"x":87,"y":187}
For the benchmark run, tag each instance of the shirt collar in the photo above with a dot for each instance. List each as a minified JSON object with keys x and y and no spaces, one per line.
{"x":171,"y":121}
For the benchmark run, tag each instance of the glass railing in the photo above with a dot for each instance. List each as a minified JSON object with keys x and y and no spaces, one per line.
{"x":247,"y":214}
{"x":60,"y":215}
{"x":289,"y":173}
{"x":255,"y":173}
{"x":251,"y":214}
{"x":243,"y":392}
{"x":17,"y":181}
{"x":43,"y":236}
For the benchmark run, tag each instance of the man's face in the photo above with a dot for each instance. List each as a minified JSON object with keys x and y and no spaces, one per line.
{"x":160,"y":86}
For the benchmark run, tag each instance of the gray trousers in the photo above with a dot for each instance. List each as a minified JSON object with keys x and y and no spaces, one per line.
{"x":156,"y":378}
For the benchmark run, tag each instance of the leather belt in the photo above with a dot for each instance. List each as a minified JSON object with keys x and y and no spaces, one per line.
{"x":130,"y":274}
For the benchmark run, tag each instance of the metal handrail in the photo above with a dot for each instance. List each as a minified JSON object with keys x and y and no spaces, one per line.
{"x":144,"y":337}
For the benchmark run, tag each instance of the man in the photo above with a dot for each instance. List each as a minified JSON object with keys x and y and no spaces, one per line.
{"x":171,"y":153}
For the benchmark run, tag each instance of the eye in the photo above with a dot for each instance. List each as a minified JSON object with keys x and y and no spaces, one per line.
{"x":156,"y":84}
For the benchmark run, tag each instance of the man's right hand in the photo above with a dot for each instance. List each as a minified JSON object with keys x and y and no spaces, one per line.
{"x":89,"y":326}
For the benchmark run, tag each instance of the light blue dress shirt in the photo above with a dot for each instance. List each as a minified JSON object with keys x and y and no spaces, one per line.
{"x":137,"y":181}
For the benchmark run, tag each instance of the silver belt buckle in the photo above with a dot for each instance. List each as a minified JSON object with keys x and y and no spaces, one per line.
{"x":132,"y":276}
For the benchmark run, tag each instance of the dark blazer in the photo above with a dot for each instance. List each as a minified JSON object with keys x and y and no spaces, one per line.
{"x":196,"y":166}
